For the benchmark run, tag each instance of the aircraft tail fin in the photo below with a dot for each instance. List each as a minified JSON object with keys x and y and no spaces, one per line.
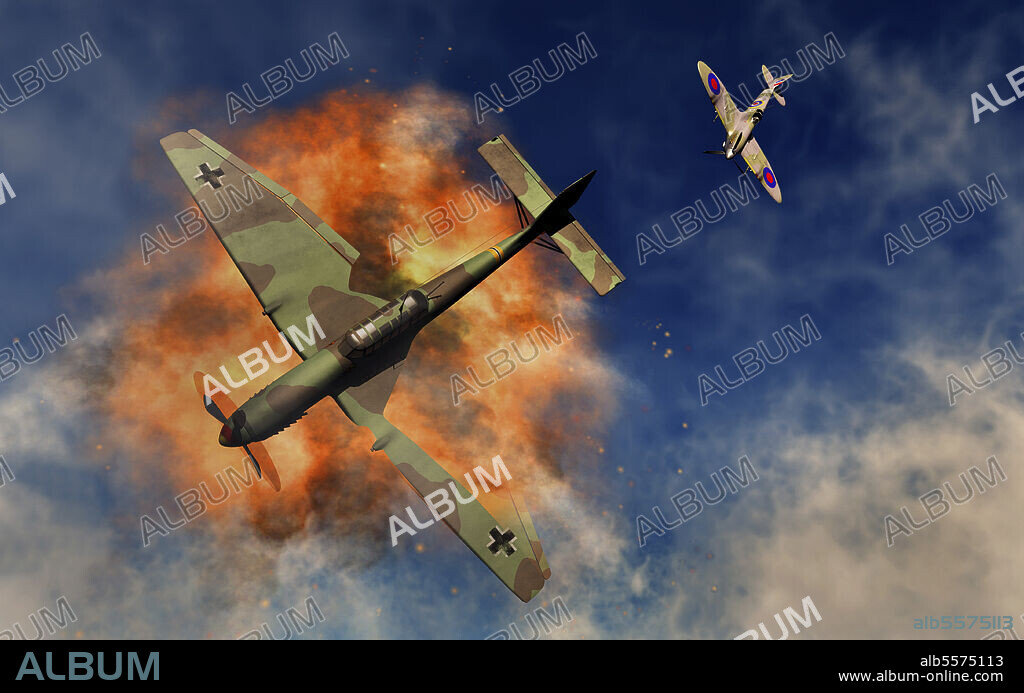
{"x":556,"y":214}
{"x":774,"y":83}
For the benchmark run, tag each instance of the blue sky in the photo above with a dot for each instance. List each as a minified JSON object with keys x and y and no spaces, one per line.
{"x":843,"y":433}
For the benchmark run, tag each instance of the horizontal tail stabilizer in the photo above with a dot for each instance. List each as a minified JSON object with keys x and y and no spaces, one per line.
{"x":534,"y":195}
{"x":774,"y":83}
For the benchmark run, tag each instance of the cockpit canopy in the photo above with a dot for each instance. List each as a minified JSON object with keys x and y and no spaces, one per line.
{"x":391,"y":319}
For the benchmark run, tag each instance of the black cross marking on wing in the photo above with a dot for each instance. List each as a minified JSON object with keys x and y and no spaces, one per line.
{"x":210,"y":176}
{"x":501,"y":541}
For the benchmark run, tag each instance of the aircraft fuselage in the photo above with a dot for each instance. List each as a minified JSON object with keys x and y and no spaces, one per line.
{"x":377,"y":342}
{"x":745,"y":123}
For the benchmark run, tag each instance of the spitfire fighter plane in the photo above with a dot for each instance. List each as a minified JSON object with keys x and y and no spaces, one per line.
{"x":739,"y":125}
{"x":298,"y":266}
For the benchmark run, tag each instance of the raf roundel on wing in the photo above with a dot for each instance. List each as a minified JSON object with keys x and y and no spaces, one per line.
{"x":713,"y":83}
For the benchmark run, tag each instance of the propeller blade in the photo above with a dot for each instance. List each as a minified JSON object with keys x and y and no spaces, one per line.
{"x":719,"y":152}
{"x":212,"y":409}
{"x":264,"y":466}
{"x":220,"y":407}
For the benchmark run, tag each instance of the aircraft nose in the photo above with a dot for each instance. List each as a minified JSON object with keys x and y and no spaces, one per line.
{"x":729,"y":153}
{"x":226,"y":435}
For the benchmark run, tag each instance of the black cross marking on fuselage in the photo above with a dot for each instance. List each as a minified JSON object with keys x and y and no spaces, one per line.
{"x":502,"y":541}
{"x":210,"y":176}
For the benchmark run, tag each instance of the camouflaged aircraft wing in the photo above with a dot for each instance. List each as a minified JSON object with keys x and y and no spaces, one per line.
{"x":719,"y":96}
{"x":574,"y":242}
{"x":295,"y":263}
{"x":758,"y":163}
{"x":505,"y":541}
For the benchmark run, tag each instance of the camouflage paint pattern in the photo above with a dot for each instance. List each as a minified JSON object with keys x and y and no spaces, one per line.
{"x":295,"y":264}
{"x":574,"y":242}
{"x":299,"y":268}
{"x":522,"y":571}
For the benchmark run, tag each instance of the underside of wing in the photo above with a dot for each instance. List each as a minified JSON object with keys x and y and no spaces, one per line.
{"x":506,"y":540}
{"x":296,"y":264}
{"x":758,"y":163}
{"x":719,"y":96}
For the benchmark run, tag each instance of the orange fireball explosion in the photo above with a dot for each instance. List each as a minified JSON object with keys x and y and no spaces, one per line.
{"x":368,"y":164}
